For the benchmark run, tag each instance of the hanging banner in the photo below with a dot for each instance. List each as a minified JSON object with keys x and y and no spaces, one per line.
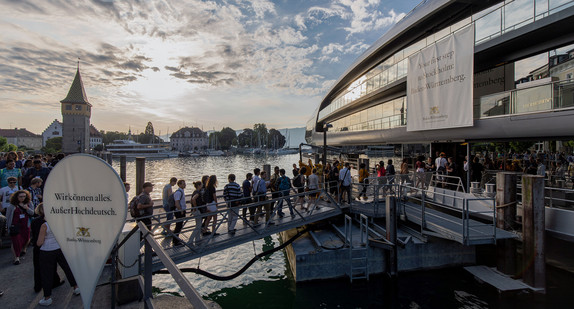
{"x":439,"y":84}
{"x":85,"y":206}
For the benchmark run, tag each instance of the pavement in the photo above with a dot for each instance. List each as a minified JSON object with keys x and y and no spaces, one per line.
{"x":17,"y":282}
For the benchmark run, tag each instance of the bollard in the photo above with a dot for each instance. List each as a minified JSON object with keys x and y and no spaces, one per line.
{"x":267,"y":169}
{"x":505,"y":217}
{"x":123,"y":168}
{"x":109,"y":158}
{"x":391,"y":226}
{"x":140,"y":174}
{"x":475,"y":187}
{"x":533,"y":229}
{"x":490,"y":190}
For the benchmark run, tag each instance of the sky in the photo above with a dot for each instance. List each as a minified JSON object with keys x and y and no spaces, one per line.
{"x":182,"y":63}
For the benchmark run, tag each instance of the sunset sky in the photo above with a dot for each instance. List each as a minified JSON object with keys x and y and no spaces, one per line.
{"x":182,"y":63}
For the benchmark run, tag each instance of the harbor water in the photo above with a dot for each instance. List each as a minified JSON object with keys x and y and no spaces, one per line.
{"x":268,"y":283}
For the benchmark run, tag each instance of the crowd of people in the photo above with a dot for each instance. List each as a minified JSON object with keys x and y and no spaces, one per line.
{"x":255,"y":189}
{"x":22,"y":218}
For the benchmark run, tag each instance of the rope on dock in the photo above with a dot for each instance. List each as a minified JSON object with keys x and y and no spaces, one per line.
{"x":244,"y":268}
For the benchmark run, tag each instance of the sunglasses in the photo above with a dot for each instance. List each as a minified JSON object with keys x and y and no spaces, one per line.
{"x":11,"y":182}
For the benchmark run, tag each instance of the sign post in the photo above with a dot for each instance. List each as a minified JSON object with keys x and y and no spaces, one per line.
{"x":85,"y":206}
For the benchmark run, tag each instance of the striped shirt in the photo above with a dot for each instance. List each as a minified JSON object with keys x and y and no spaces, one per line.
{"x":232,"y":191}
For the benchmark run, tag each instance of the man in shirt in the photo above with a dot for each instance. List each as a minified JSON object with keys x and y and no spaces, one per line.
{"x":180,"y":207}
{"x":232,"y":194}
{"x":256,"y":183}
{"x":145,"y":203}
{"x":246,"y":187}
{"x":38,"y":171}
{"x":345,"y":182}
{"x":10,"y":171}
{"x":165,"y":193}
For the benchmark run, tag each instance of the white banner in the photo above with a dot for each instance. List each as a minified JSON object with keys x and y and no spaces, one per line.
{"x":439,"y":84}
{"x":85,"y":205}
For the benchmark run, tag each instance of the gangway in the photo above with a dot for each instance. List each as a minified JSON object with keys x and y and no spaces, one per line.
{"x":198,"y":245}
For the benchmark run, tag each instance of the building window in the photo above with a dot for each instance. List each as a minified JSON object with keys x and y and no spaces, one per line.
{"x":78,"y":107}
{"x":55,"y":133}
{"x":68,"y":107}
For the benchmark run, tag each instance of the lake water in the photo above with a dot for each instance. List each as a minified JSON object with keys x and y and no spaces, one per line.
{"x":268,"y":282}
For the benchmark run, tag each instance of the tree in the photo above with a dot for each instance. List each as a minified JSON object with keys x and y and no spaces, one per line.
{"x":3,"y":142}
{"x":226,"y":137}
{"x":148,"y":136}
{"x":261,"y":134}
{"x":275,"y":139}
{"x":110,"y":136}
{"x":245,"y":138}
{"x":99,"y":147}
{"x":53,"y":145}
{"x":520,"y":147}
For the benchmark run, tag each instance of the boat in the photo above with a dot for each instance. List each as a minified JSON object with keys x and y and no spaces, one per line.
{"x":131,"y":149}
{"x":214,"y":152}
{"x":286,"y":151}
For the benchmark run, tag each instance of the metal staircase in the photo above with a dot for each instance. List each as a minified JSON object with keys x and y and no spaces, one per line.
{"x":358,"y":253}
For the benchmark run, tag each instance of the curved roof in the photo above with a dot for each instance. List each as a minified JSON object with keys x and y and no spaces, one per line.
{"x":424,"y":19}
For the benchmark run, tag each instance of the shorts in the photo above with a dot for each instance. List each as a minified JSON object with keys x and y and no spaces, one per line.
{"x":168,"y":213}
{"x":300,"y":190}
{"x":212,"y":207}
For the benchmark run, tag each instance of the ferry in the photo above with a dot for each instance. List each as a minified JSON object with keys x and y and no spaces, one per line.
{"x":131,"y":149}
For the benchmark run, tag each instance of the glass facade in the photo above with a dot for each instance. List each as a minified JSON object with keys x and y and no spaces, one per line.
{"x":489,"y":24}
{"x":388,"y":115}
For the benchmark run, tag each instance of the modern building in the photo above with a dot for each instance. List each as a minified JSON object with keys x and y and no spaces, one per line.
{"x":188,"y":139}
{"x":444,"y":76}
{"x":53,"y":130}
{"x":22,"y":137}
{"x":96,"y":137}
{"x":76,"y":113}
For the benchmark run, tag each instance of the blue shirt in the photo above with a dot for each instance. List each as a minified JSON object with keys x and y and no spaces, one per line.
{"x":246,"y":188}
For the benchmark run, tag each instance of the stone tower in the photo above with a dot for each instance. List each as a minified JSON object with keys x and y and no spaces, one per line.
{"x":76,"y":112}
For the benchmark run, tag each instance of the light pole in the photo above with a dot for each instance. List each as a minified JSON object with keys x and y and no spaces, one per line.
{"x":326,"y":127}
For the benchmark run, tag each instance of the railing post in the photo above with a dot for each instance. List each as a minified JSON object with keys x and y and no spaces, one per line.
{"x":391,"y":226}
{"x":140,"y":174}
{"x":533,"y":229}
{"x":505,"y":213}
{"x":148,"y":252}
{"x":123,"y":168}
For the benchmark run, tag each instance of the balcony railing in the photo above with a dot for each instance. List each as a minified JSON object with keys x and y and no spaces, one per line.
{"x":551,"y":96}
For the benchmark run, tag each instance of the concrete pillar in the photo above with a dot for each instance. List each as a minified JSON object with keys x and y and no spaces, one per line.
{"x":140,"y":174}
{"x":533,"y":230}
{"x":267,"y":169}
{"x":391,"y":226}
{"x":123,"y":168}
{"x":505,"y":217}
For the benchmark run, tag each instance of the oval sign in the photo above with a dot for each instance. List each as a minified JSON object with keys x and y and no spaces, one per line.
{"x":85,"y":206}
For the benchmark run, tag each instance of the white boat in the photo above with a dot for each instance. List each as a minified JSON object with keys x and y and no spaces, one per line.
{"x":131,"y":149}
{"x":213,"y":152}
{"x":286,"y":151}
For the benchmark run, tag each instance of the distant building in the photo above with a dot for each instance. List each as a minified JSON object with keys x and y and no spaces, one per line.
{"x":76,"y":113}
{"x":96,"y":138}
{"x":53,"y":130}
{"x":22,"y":137}
{"x":188,"y":139}
{"x":562,"y":66}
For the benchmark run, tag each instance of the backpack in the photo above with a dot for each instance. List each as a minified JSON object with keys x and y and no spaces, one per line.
{"x":171,"y":202}
{"x":204,"y":194}
{"x":297,"y":181}
{"x":283,"y":184}
{"x":133,"y":207}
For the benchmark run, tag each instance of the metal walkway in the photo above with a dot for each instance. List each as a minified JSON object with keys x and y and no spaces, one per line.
{"x":322,"y":208}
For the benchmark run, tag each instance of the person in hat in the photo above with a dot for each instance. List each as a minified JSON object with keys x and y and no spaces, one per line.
{"x":145,"y":202}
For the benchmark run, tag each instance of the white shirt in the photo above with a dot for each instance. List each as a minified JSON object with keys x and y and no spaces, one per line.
{"x":313,"y":180}
{"x":345,"y":176}
{"x":5,"y":194}
{"x":50,"y":242}
{"x":179,"y":195}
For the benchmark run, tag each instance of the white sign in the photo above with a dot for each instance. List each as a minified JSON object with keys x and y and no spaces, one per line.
{"x":85,"y":205}
{"x":439,"y":84}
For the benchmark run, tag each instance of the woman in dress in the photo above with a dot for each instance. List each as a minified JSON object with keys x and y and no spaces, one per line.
{"x":18,"y":214}
{"x":210,"y":198}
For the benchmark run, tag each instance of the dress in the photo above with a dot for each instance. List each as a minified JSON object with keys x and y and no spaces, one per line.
{"x":20,"y":219}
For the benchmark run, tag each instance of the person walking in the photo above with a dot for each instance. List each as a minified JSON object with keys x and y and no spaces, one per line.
{"x":363,"y":179}
{"x":35,"y":228}
{"x":232,"y":195}
{"x":145,"y":203}
{"x":210,"y":199}
{"x":165,"y":194}
{"x":284,"y":187}
{"x":179,"y":212}
{"x":197,"y":203}
{"x":345,"y":183}
{"x":50,"y":256}
{"x":246,"y":188}
{"x":18,"y":214}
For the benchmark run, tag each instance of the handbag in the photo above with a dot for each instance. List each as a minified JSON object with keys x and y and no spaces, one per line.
{"x":14,"y":230}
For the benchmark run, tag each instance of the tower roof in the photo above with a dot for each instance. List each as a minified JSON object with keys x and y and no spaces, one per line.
{"x":77,"y":94}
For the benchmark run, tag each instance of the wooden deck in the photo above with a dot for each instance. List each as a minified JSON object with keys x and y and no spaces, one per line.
{"x":498,"y":280}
